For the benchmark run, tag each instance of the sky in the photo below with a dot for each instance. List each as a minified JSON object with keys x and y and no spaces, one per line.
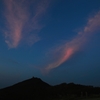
{"x":55,"y":40}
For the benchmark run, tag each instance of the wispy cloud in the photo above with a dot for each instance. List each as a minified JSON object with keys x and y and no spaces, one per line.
{"x":23,"y":20}
{"x":65,"y":51}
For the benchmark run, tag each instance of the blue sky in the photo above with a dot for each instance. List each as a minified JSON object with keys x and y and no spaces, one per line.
{"x":57,"y":41}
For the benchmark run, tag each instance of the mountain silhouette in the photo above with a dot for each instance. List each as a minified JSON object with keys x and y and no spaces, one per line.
{"x":30,"y":89}
{"x":36,"y":89}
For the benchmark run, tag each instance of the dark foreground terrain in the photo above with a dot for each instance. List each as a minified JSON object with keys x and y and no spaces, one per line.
{"x":36,"y":89}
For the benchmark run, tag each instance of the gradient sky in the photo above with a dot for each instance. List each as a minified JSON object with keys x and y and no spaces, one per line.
{"x":55,"y":40}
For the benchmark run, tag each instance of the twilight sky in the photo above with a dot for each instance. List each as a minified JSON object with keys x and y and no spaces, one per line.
{"x":55,"y":40}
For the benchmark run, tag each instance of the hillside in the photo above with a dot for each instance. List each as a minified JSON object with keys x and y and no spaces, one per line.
{"x":36,"y":89}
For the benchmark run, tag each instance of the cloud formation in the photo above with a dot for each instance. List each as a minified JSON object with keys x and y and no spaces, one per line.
{"x":20,"y":23}
{"x":65,"y":51}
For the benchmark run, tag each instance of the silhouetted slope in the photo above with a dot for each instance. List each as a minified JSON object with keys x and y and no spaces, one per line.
{"x":33,"y":88}
{"x":65,"y":90}
{"x":36,"y":89}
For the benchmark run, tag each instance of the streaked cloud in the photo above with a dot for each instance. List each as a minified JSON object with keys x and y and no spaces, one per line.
{"x":65,"y":51}
{"x":20,"y":23}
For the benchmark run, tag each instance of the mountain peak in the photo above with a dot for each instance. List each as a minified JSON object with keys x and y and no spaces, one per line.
{"x":33,"y":82}
{"x":36,"y":89}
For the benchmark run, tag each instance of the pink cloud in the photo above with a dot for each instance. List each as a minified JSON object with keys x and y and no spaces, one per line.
{"x":62,"y":58}
{"x":65,"y":51}
{"x":17,"y":14}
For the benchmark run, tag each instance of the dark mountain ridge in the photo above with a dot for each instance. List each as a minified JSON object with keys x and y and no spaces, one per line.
{"x":36,"y":89}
